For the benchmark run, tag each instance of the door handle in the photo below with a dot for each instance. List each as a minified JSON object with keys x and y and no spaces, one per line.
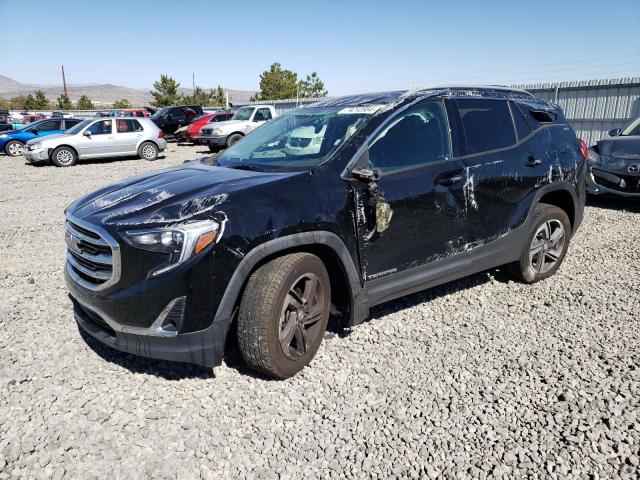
{"x":532,"y":161}
{"x":449,"y":178}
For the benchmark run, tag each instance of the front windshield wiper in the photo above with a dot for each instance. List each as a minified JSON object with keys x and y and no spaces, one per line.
{"x":243,"y":166}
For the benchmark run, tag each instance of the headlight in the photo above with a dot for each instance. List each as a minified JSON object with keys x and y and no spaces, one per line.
{"x":4,"y":135}
{"x":178,"y":243}
{"x":594,"y":157}
{"x":34,"y":146}
{"x":217,"y":131}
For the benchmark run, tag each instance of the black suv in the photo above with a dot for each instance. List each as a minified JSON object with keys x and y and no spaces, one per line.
{"x":170,"y":119}
{"x":325,"y":211}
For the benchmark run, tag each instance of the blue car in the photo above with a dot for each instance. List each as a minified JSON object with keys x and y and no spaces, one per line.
{"x":12,"y":142}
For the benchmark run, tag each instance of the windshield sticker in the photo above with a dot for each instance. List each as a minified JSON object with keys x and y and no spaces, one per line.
{"x":367,"y":110}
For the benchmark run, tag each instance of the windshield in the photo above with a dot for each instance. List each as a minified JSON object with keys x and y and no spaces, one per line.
{"x":299,"y":138}
{"x":243,"y":114}
{"x":160,"y":113}
{"x":77,"y":127}
{"x":632,"y":129}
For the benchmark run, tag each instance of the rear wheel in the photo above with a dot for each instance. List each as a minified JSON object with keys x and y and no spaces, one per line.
{"x":546,"y":247}
{"x":148,"y":151}
{"x":283,"y":314}
{"x":64,"y":157}
{"x":236,"y":137}
{"x":14,"y":148}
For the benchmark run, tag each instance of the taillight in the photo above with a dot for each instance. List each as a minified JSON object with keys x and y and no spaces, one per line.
{"x":161,"y":134}
{"x":584,"y":150}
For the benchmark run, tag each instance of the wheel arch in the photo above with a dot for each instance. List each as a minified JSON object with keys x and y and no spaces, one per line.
{"x":53,"y":149}
{"x":561,"y":195}
{"x":345,"y":280}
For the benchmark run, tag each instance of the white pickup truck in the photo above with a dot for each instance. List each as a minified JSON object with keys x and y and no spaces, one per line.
{"x":246,"y":119}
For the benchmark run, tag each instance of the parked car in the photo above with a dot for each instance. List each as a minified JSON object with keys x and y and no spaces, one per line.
{"x":245,"y":120}
{"x":407,"y":191}
{"x":99,"y":138}
{"x":191,"y":132}
{"x":170,"y":119}
{"x":30,"y":118}
{"x":614,"y":163}
{"x":13,"y":141}
{"x":305,"y":140}
{"x":134,"y":112}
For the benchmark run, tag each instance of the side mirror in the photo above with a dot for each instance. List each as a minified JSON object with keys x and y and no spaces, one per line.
{"x":87,"y":133}
{"x":615,"y":132}
{"x":169,"y":117}
{"x":34,"y":131}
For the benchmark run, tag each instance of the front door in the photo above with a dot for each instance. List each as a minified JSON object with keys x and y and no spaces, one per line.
{"x":100,"y":142}
{"x":415,"y":213}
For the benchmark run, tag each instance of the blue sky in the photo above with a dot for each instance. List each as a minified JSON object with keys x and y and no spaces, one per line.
{"x":355,"y":46}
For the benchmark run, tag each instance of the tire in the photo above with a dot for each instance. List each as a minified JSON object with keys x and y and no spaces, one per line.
{"x":14,"y":148}
{"x":148,"y":151}
{"x":231,"y":139}
{"x":282,"y":318}
{"x":64,"y":157}
{"x":546,"y":245}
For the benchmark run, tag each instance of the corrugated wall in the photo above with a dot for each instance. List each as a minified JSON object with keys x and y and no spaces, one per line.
{"x":593,"y":107}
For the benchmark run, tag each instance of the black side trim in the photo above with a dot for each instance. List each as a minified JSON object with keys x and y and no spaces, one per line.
{"x":359,"y":303}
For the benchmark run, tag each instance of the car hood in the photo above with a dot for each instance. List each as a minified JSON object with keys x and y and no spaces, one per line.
{"x":230,"y":123}
{"x":624,"y":148}
{"x":47,"y":138}
{"x":168,"y":197}
{"x":9,"y":132}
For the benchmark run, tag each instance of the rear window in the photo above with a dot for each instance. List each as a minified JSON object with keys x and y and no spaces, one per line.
{"x":126,"y":126}
{"x":487,"y":124}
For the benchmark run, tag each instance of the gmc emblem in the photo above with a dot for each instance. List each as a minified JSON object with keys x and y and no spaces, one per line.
{"x":634,"y":168}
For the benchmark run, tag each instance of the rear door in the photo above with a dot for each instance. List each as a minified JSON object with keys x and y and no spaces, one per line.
{"x":128,"y":133}
{"x":419,"y":202}
{"x":101,"y":141}
{"x":502,"y":167}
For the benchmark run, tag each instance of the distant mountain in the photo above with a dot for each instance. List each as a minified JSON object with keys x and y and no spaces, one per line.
{"x":102,"y":94}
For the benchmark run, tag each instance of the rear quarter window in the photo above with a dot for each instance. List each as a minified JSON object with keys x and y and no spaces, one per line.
{"x":487,"y":124}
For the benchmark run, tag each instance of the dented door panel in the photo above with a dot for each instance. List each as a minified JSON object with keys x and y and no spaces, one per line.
{"x":426,"y":211}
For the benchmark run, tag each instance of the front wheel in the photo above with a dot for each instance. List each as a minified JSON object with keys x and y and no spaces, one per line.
{"x":14,"y":148}
{"x":236,"y":137}
{"x":546,"y":246}
{"x":64,"y":157}
{"x":283,"y":314}
{"x":148,"y":151}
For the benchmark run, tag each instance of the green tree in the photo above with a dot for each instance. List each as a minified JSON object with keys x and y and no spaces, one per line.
{"x":85,"y":103}
{"x":165,"y":92}
{"x":4,"y":103}
{"x":218,"y":99}
{"x":312,"y":87}
{"x":18,"y":103}
{"x":64,"y":102}
{"x":277,"y":84}
{"x":36,"y":102}
{"x":122,"y":103}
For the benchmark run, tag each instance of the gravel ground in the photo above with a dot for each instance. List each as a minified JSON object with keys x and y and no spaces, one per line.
{"x":480,"y":378}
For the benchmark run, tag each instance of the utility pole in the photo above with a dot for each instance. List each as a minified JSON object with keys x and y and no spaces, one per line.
{"x":193,"y":80}
{"x":226,"y":96}
{"x":64,"y":83}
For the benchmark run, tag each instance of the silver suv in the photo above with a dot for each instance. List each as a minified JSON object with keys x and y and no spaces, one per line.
{"x":99,"y":138}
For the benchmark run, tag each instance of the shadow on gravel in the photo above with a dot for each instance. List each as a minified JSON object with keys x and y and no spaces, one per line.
{"x":614,"y":203}
{"x":135,"y":364}
{"x":93,"y":161}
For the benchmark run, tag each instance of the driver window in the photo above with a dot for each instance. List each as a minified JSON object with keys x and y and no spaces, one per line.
{"x":417,"y":136}
{"x":48,"y":126}
{"x":262,"y":115}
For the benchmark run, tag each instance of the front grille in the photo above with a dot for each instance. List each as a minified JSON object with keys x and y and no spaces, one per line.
{"x":206,"y":131}
{"x":91,"y":258}
{"x":299,"y":142}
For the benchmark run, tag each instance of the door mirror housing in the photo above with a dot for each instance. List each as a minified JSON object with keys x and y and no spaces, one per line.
{"x":615,"y":132}
{"x":87,"y":133}
{"x":34,"y":131}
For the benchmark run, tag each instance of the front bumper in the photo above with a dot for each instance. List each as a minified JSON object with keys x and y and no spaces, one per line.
{"x":603,"y":182}
{"x":36,"y":155}
{"x":205,"y":347}
{"x":218,"y":141}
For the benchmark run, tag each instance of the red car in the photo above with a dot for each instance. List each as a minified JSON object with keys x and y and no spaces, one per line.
{"x":27,"y":119}
{"x":134,"y":112}
{"x":191,"y":132}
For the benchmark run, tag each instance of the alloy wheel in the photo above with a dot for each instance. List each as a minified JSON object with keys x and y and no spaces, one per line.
{"x":148,"y":151}
{"x":64,"y":157}
{"x":301,"y":314}
{"x":16,"y":149}
{"x":547,"y":246}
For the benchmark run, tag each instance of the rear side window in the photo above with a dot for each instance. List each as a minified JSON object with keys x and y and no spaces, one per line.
{"x":487,"y":124}
{"x":126,"y":126}
{"x":535,"y":118}
{"x":522,"y":126}
{"x":418,"y":136}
